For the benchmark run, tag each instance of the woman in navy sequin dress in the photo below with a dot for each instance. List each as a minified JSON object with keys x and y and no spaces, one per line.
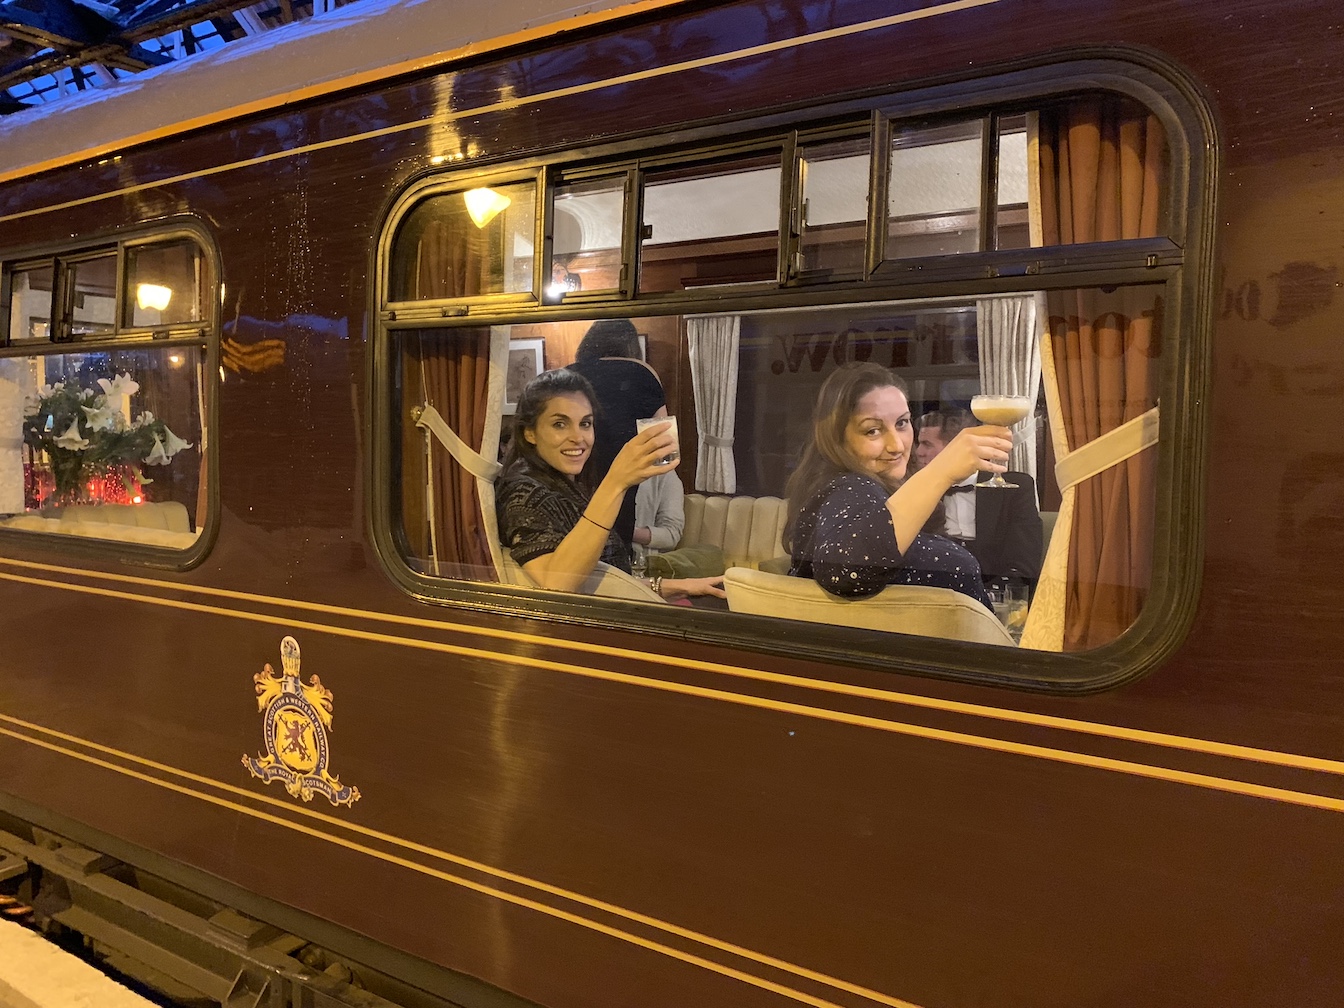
{"x":859,"y":516}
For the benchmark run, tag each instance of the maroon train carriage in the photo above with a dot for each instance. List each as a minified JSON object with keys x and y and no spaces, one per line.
{"x":282,"y":723}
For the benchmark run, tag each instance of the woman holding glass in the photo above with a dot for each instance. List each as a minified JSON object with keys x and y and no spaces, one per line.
{"x":860,"y":518}
{"x":552,"y":522}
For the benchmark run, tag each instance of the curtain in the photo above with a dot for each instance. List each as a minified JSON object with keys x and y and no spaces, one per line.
{"x":1008,"y":331}
{"x":713,"y":343}
{"x":451,"y":370}
{"x":16,"y":383}
{"x":1100,"y":170}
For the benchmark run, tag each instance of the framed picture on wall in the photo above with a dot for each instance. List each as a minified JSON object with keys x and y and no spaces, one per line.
{"x":527,"y":359}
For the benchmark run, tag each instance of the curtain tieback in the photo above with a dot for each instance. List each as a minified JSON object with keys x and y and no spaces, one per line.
{"x":471,"y":460}
{"x":1110,"y":449}
{"x":717,"y":442}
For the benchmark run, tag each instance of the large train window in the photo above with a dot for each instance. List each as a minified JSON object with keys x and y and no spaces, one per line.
{"x":824,"y":311}
{"x":102,"y":394}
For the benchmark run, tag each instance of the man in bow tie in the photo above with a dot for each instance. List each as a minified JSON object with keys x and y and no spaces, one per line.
{"x":1001,"y":528}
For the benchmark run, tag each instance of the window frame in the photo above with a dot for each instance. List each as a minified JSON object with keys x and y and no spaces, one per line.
{"x":203,"y":334}
{"x":1180,"y":263}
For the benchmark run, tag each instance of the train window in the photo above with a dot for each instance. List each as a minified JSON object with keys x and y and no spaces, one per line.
{"x":103,"y":442}
{"x":467,"y":243}
{"x":933,"y":190}
{"x":710,"y":224}
{"x":1012,"y":220}
{"x":30,"y":291}
{"x":588,"y":225}
{"x":1102,"y":350}
{"x":922,"y":281}
{"x":163,"y":285}
{"x":90,"y":297}
{"x":833,"y":211}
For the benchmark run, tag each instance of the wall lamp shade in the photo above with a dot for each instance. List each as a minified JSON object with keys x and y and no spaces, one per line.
{"x":483,"y":205}
{"x":153,"y":296}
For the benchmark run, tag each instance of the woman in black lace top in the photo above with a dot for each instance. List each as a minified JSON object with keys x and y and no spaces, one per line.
{"x":858,"y":513}
{"x":551,"y":522}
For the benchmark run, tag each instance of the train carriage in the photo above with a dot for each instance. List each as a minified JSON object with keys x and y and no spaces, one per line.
{"x":276,"y":697}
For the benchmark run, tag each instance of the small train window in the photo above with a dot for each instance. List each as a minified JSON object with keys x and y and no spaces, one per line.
{"x":103,"y":392}
{"x":797,"y":409}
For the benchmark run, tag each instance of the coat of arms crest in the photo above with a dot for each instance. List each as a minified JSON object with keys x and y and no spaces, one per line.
{"x":296,"y":718}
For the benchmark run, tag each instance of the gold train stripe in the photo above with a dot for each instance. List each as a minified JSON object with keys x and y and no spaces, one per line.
{"x":501,"y":894}
{"x":1229,"y":785}
{"x":464,"y":862}
{"x":1100,"y":729}
{"x":514,"y":103}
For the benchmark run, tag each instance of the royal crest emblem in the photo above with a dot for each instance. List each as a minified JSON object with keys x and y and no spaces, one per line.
{"x":296,"y":719}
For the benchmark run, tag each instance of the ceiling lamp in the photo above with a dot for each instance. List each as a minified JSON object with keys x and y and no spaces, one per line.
{"x":153,"y":296}
{"x":483,"y":205}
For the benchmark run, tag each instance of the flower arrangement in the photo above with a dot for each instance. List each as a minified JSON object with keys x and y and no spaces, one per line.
{"x":85,"y":433}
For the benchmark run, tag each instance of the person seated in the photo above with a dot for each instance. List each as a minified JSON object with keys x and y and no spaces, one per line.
{"x":554,"y":524}
{"x":626,"y":390}
{"x":660,"y":512}
{"x":1000,"y":527}
{"x":858,"y":508}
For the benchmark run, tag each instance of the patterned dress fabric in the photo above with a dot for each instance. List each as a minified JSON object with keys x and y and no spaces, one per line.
{"x":846,"y":543}
{"x":538,"y":507}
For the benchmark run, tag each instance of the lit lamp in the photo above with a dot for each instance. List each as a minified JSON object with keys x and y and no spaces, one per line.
{"x":562,"y":282}
{"x":484,"y":205}
{"x":153,"y":296}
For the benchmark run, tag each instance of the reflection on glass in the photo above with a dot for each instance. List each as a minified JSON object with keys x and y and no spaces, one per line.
{"x":834,"y":180}
{"x":711,"y":224}
{"x":110,"y":445}
{"x":163,"y":284}
{"x":587,"y":236}
{"x":440,"y":251}
{"x":933,"y":199}
{"x":92,"y":295}
{"x":30,"y":304}
{"x":944,"y":353}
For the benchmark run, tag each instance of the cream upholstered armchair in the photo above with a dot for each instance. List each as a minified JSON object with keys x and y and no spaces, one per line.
{"x":909,"y":609}
{"x":605,"y":581}
{"x":747,"y":529}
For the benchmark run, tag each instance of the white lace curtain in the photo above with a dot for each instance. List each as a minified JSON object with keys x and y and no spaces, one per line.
{"x":15,"y":383}
{"x":713,"y":342}
{"x":1009,"y":333}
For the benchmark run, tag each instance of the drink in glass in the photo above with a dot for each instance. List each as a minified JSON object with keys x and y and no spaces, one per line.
{"x":1001,"y":411}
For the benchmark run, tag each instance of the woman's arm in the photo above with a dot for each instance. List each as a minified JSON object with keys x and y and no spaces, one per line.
{"x":983,"y":448}
{"x":576,"y":556}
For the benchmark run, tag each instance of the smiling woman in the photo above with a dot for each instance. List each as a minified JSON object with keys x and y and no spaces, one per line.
{"x":856,"y":522}
{"x":555,"y":525}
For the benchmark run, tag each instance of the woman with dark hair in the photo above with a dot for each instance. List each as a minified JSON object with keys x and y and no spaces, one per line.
{"x":626,"y":389}
{"x":858,"y":512}
{"x":553,"y":522}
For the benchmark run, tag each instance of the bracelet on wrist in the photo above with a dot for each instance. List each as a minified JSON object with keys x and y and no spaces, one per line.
{"x":604,"y":528}
{"x":656,"y":583}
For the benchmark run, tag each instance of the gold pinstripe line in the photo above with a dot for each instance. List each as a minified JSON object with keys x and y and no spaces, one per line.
{"x":1096,"y":728}
{"x":938,"y":10}
{"x":522,"y":901}
{"x":457,"y":859}
{"x":1167,"y":774}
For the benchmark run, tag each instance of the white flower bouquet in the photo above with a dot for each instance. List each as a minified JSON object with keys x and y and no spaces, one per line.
{"x":86,"y":433}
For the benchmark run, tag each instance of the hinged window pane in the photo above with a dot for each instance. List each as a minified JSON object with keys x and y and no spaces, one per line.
{"x":468,"y":243}
{"x":711,"y":224}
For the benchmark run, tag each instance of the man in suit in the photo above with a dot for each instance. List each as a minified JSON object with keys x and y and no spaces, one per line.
{"x":1001,"y":528}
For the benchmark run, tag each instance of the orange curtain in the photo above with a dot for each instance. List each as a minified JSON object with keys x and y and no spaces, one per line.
{"x":450,"y":370}
{"x":1102,"y":164}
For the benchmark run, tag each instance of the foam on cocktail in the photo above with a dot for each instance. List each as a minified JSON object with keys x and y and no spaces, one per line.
{"x":1001,"y":410}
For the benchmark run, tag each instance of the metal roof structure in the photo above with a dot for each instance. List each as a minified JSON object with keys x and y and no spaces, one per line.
{"x":53,"y":49}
